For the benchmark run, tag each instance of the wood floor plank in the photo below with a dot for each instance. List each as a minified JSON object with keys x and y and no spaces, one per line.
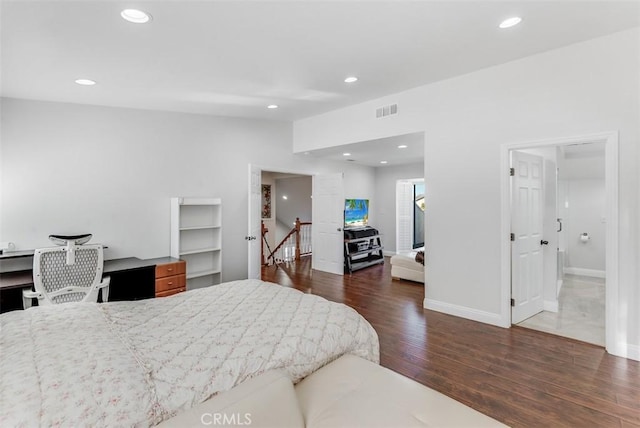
{"x":521,"y":377}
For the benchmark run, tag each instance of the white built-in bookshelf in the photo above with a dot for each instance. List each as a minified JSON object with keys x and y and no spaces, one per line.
{"x":196,"y":237}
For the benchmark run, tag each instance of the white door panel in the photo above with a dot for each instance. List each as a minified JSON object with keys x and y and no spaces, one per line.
{"x":404,"y":216}
{"x":328,"y":220}
{"x":527,"y":205}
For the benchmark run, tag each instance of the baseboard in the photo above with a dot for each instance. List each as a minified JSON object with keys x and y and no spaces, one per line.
{"x":585,"y":272}
{"x":633,"y":352}
{"x":388,"y":253}
{"x":463,"y":312}
{"x":625,"y":350}
{"x":550,"y":305}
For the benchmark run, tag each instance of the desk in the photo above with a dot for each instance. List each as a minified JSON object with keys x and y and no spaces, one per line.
{"x":131,"y":279}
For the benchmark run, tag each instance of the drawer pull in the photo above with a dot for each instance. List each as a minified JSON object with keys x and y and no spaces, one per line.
{"x":169,"y":269}
{"x":171,"y":283}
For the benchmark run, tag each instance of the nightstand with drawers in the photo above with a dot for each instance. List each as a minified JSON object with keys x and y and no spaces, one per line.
{"x":171,"y":277}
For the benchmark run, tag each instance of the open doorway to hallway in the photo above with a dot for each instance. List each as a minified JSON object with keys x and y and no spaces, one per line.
{"x":559,"y":241}
{"x":286,"y":217}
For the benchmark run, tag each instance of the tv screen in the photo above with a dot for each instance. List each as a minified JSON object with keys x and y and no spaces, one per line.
{"x":356,"y":212}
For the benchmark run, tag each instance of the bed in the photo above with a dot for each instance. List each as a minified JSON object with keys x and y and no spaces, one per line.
{"x":139,"y":363}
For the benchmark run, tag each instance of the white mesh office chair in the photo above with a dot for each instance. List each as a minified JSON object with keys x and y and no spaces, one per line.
{"x":71,"y":273}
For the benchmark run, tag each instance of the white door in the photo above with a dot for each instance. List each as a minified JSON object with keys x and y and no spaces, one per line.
{"x":254,"y":228}
{"x":527,"y":213}
{"x":328,"y":220}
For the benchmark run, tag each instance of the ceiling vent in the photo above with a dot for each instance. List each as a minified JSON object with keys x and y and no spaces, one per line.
{"x":387,"y":110}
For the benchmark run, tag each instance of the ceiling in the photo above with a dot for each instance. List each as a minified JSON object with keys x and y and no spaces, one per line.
{"x":373,"y":152}
{"x":233,"y":58}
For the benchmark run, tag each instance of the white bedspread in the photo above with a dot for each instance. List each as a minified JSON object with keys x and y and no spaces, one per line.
{"x":138,"y":363}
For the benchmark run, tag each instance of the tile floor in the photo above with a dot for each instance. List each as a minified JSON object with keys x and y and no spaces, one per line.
{"x":581,"y":311}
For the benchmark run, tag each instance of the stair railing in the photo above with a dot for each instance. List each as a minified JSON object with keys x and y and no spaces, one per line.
{"x":296,"y":244}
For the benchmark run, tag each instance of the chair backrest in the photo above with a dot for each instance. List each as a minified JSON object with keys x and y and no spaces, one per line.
{"x":60,"y":282}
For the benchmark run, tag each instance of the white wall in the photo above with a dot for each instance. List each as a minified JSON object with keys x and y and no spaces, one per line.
{"x":585,"y":88}
{"x":582,"y":178}
{"x":586,"y":214}
{"x":70,"y":168}
{"x":385,"y":205}
{"x":298,"y":203}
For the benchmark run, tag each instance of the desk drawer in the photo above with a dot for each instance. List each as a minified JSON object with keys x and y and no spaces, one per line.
{"x":170,"y":269}
{"x":171,"y":282}
{"x":170,"y":292}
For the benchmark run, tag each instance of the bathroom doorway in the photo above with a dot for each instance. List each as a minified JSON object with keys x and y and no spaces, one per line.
{"x":578,"y":311}
{"x":511,"y":288}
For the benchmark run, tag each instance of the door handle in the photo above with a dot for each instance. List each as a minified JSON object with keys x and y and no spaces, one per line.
{"x":249,"y":238}
{"x":544,"y":242}
{"x":339,"y":230}
{"x":560,"y":223}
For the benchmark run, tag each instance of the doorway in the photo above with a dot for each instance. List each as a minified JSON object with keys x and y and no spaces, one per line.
{"x":572,"y":297}
{"x":286,"y":199}
{"x":608,"y":144}
{"x":326,"y":255}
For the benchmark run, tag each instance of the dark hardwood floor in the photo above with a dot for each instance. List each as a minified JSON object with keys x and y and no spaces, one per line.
{"x":521,"y":377}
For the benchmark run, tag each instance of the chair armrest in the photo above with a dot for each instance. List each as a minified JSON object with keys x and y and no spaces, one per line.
{"x":104,"y":288}
{"x":27,"y":296}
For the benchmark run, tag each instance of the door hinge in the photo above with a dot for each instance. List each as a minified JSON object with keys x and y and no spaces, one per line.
{"x":512,"y":171}
{"x":513,"y":302}
{"x":512,"y":236}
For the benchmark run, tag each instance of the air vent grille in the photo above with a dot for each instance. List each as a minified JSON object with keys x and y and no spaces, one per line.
{"x":385,"y":111}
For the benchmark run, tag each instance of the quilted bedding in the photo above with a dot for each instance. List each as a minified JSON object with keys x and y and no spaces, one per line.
{"x":138,"y":363}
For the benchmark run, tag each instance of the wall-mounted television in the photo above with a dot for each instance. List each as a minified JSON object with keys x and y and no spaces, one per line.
{"x":356,"y":212}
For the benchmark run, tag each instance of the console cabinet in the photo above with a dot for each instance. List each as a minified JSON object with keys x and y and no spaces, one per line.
{"x":196,"y":238}
{"x":360,"y":253}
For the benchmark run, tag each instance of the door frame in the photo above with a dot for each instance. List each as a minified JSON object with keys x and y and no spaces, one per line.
{"x":610,"y":138}
{"x":262,"y":169}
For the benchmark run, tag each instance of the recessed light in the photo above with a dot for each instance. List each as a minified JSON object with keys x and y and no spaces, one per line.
{"x":272,"y":106}
{"x":136,"y":16}
{"x":510,"y":22}
{"x":402,"y":146}
{"x":351,"y":79}
{"x":346,"y":154}
{"x":85,"y":82}
{"x":284,"y":197}
{"x":383,"y":162}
